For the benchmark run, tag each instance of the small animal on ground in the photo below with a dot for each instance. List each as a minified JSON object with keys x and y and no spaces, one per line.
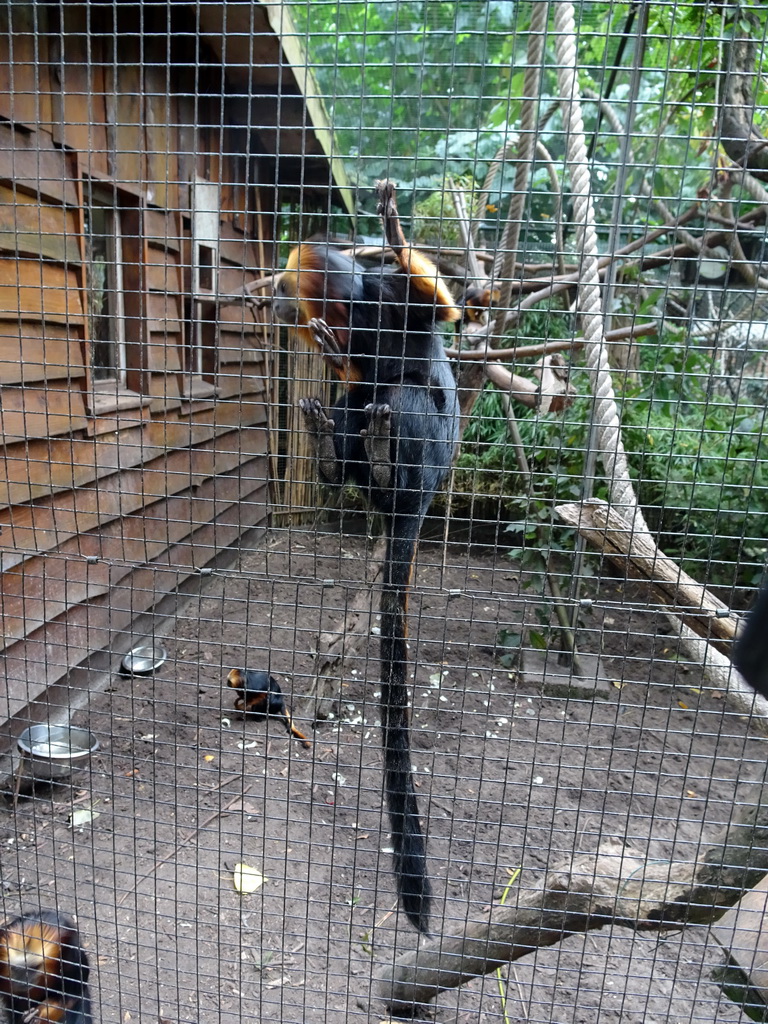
{"x":261,"y":697}
{"x":44,"y":970}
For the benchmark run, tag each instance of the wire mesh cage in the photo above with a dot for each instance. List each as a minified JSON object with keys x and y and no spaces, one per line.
{"x":383,"y":401}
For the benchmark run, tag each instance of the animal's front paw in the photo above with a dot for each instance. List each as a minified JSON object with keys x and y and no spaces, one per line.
{"x":321,"y":430}
{"x":379,"y":421}
{"x":324,"y":338}
{"x":386,"y":193}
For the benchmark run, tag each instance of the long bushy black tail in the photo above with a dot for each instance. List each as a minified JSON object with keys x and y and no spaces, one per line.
{"x":408,"y":842}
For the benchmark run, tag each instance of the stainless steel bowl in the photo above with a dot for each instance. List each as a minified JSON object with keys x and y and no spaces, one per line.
{"x":144,"y":660}
{"x":52,"y":751}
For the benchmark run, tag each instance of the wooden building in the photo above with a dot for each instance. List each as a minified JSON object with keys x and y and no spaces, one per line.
{"x":147,"y":152}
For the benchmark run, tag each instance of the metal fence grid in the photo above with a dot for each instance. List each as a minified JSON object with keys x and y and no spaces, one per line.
{"x":590,"y":181}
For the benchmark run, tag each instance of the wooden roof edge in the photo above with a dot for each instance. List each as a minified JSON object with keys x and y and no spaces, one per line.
{"x":233,"y":29}
{"x":283,"y":26}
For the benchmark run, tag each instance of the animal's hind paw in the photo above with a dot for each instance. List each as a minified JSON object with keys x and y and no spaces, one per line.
{"x":376,"y":438}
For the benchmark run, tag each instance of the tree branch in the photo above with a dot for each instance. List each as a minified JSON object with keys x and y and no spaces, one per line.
{"x":614,"y":885}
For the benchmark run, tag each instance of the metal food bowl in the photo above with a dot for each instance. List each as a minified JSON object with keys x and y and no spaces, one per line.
{"x":52,"y":751}
{"x":144,"y":660}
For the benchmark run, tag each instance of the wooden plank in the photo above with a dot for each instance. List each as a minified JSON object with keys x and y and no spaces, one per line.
{"x":31,"y":412}
{"x":237,"y":386}
{"x":236,"y":355}
{"x":30,"y":353}
{"x":162,"y":230}
{"x":24,"y":85}
{"x":39,"y":291}
{"x":39,"y":468}
{"x":237,"y":318}
{"x":165,"y":390}
{"x":29,"y":161}
{"x":162,"y":277}
{"x":163,"y":352}
{"x":41,"y":589}
{"x":31,"y":665}
{"x":167,"y":328}
{"x":51,"y":521}
{"x":33,"y":228}
{"x":233,"y":278}
{"x":162,"y":164}
{"x":230,"y":232}
{"x":160,"y":256}
{"x":163,"y":306}
{"x":130,"y":152}
{"x":134,"y":296}
{"x":82,"y":124}
{"x":239,"y":256}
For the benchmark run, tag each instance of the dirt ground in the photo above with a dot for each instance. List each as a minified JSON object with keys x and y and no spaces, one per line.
{"x":509,"y":778}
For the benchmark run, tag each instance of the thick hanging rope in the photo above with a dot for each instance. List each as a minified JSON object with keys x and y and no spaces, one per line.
{"x":608,"y":426}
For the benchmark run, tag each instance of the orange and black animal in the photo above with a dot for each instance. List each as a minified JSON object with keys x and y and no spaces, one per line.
{"x":44,"y":970}
{"x":393,"y":433}
{"x":475,"y":303}
{"x":751,"y":652}
{"x":260,"y":697}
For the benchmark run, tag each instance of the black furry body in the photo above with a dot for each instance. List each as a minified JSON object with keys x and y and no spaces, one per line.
{"x":44,"y":970}
{"x":393,"y":434}
{"x":423,"y":415}
{"x":260,"y":697}
{"x":751,"y":651}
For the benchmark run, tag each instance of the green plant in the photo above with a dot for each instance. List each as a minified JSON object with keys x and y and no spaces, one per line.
{"x":699,"y":460}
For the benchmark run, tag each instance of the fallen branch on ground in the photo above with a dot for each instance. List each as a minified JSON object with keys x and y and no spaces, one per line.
{"x":638,"y":557}
{"x":614,"y":885}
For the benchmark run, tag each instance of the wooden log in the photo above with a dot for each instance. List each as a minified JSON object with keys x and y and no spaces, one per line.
{"x":473,"y":355}
{"x":637,"y":556}
{"x":613,"y":885}
{"x":552,"y":394}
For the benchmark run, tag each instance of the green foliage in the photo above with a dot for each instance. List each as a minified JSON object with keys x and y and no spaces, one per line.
{"x":434,"y":220}
{"x":400,"y":79}
{"x":699,"y":459}
{"x":429,"y":90}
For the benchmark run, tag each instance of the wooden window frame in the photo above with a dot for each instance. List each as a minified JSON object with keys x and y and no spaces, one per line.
{"x":121,"y":391}
{"x":205,"y":202}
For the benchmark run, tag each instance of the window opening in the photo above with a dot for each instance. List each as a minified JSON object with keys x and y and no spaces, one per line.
{"x":105,"y":286}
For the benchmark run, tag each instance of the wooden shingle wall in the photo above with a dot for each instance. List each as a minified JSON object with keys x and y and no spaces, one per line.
{"x":110,"y":498}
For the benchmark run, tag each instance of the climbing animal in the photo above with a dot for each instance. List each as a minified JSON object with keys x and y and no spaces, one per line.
{"x":393,"y":433}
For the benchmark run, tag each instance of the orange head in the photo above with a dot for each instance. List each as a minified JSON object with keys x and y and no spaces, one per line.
{"x":317,"y":282}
